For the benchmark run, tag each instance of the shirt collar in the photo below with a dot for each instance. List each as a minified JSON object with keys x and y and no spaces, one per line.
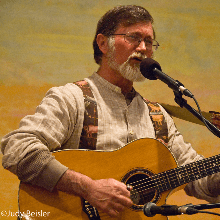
{"x":106,"y":83}
{"x":128,"y":97}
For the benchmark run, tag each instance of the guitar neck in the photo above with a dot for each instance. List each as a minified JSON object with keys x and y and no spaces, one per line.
{"x":184,"y":174}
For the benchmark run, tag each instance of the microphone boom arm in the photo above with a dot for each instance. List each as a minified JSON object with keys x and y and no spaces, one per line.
{"x":183,"y":103}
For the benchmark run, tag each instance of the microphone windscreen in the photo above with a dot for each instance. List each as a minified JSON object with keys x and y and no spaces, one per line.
{"x":147,"y":66}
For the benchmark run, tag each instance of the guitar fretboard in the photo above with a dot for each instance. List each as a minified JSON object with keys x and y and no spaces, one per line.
{"x":184,"y":174}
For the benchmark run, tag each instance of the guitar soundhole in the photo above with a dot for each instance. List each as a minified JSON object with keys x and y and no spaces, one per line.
{"x":144,"y":190}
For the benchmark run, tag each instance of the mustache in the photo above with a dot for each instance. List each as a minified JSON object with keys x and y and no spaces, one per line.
{"x":137,"y":55}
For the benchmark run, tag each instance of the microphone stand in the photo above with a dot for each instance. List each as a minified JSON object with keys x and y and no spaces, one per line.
{"x":204,"y":206}
{"x":183,"y":103}
{"x":151,"y":209}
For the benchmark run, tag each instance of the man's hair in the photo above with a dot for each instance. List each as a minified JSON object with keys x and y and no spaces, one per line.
{"x":121,"y":15}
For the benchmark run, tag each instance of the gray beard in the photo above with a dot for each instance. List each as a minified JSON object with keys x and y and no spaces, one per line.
{"x":128,"y":71}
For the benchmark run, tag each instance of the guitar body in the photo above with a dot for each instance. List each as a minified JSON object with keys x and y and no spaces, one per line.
{"x":143,"y":157}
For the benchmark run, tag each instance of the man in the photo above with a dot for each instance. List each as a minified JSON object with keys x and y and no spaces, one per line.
{"x":124,"y":37}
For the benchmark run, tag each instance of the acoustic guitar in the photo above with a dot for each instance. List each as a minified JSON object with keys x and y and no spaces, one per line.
{"x":146,"y":164}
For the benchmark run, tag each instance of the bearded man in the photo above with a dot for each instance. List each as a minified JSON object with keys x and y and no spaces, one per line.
{"x":124,"y":37}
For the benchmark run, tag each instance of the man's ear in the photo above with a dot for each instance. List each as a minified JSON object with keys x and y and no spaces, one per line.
{"x":102,"y":42}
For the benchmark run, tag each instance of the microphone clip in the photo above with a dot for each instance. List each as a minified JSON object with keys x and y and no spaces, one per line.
{"x":151,"y":209}
{"x":179,"y":97}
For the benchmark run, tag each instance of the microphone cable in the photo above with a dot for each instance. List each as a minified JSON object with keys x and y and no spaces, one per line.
{"x":203,"y":119}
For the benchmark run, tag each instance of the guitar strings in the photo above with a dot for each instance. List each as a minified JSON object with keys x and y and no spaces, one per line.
{"x":169,"y":178}
{"x":150,"y":183}
{"x":147,"y":189}
{"x":173,"y":178}
{"x":144,"y":188}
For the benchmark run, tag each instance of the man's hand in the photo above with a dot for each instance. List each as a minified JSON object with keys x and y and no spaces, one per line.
{"x":107,"y":195}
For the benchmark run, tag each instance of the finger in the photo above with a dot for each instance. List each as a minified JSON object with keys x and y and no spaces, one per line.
{"x":122,"y":189}
{"x":123,"y":200}
{"x":118,"y":207}
{"x":113,"y":213}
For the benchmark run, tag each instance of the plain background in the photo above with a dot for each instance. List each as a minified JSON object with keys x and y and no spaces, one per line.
{"x":49,"y":43}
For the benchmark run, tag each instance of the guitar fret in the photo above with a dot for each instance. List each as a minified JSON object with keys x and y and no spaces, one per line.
{"x":197,"y":170}
{"x":208,"y":167}
{"x":161,"y":183}
{"x":168,"y":180}
{"x":180,"y":176}
{"x":162,"y":186}
{"x":190,"y":172}
{"x":183,"y":175}
{"x":173,"y":178}
{"x":211,"y":165}
{"x":203,"y":170}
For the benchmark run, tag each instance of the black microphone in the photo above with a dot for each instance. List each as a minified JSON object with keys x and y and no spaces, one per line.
{"x":151,"y":209}
{"x":151,"y":70}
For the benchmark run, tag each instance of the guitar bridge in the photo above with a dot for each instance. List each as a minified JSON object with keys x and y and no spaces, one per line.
{"x":90,"y":211}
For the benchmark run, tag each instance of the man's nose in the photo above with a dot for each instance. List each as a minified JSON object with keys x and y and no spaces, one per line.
{"x":142,"y":46}
{"x":144,"y":50}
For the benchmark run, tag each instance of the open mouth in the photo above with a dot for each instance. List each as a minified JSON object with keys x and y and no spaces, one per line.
{"x":137,"y":59}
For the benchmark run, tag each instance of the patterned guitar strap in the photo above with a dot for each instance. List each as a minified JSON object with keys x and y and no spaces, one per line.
{"x":88,"y":137}
{"x":158,"y":120}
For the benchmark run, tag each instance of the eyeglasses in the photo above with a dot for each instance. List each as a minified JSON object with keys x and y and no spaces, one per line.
{"x":135,"y":39}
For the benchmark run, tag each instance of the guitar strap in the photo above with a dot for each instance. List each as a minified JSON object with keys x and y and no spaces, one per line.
{"x":88,"y":137}
{"x":90,"y":125}
{"x":158,"y":120}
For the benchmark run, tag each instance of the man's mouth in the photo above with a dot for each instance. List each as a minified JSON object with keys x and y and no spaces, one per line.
{"x":137,"y":59}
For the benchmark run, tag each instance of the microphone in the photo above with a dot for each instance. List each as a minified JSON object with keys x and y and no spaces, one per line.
{"x":151,"y":70}
{"x":151,"y":209}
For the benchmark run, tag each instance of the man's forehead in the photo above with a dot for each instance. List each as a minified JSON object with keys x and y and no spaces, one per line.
{"x":143,"y":27}
{"x":135,"y":27}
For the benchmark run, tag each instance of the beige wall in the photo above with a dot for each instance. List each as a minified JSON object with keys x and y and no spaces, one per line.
{"x":49,"y":43}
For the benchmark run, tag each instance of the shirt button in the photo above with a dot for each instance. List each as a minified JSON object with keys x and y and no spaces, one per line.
{"x":131,"y":132}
